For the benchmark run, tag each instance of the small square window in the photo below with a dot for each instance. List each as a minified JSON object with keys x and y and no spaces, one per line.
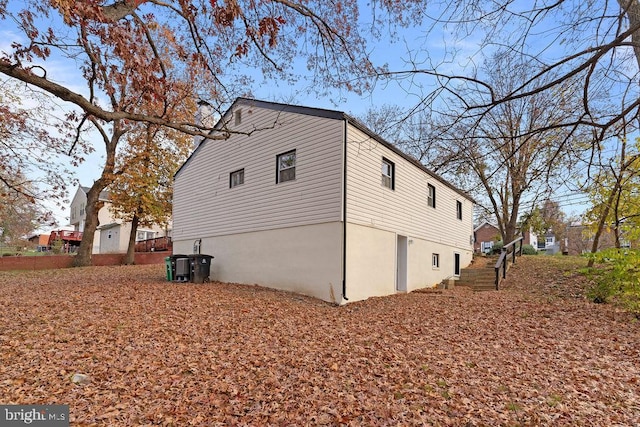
{"x":459,"y":209}
{"x":431,"y":198}
{"x":388,"y":172}
{"x":236,"y":178}
{"x":435,"y":260}
{"x":286,"y":164}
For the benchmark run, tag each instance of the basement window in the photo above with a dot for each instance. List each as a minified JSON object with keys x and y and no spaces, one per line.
{"x":435,"y":260}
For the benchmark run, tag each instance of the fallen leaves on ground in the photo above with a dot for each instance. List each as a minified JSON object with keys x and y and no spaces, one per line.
{"x":121,"y":346}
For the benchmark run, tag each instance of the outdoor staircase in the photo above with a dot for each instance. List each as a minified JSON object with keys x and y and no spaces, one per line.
{"x":479,"y":277}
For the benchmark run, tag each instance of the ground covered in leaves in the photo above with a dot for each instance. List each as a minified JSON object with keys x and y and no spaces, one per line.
{"x":155,"y":353}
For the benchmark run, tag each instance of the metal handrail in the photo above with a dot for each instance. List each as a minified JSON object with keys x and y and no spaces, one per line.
{"x":503,"y":260}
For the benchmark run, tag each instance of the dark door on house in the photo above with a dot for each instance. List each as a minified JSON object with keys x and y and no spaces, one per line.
{"x":456,"y":264}
{"x":401,"y":264}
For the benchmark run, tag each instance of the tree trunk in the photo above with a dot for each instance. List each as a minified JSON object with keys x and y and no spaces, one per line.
{"x":83,"y":257}
{"x":616,"y":230}
{"x":131,"y":248}
{"x":632,"y":11}
{"x":602,"y":222}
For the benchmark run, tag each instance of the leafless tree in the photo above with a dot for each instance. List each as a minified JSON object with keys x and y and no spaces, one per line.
{"x":592,"y":43}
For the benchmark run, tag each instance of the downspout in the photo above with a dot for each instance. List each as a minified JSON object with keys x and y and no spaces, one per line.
{"x":344,"y":216}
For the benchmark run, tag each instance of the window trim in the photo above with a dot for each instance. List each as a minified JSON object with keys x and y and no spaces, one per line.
{"x":231,"y":185}
{"x":459,"y":209}
{"x":431,"y":201}
{"x":278,"y":170}
{"x":392,"y":177}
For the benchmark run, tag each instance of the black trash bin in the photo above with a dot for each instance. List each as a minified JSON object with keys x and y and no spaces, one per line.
{"x":200,"y":267}
{"x":181,"y":268}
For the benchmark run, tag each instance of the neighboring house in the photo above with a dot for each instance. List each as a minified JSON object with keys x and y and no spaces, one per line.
{"x":78,"y":213}
{"x":40,"y":242}
{"x":311,"y":201}
{"x":530,"y":238}
{"x":580,"y":239}
{"x":549,"y":244}
{"x":112,"y":235}
{"x":64,"y":240}
{"x":485,"y":236}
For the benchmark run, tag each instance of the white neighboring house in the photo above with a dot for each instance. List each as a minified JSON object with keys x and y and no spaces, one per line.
{"x":78,"y":213}
{"x":112,"y":235}
{"x":313,"y":202}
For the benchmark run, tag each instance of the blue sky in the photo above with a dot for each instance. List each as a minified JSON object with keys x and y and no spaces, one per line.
{"x":396,"y":92}
{"x":66,"y":72}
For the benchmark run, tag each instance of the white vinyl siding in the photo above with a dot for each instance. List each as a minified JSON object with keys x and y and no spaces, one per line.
{"x":405,"y":210}
{"x":204,"y":205}
{"x":77,"y":219}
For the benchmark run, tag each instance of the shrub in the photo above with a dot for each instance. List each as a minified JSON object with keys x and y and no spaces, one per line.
{"x":618,"y":279}
{"x":57,"y":246}
{"x":529,"y":250}
{"x":497,"y":247}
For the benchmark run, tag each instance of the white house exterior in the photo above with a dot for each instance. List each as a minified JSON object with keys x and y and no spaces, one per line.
{"x":112,"y":235}
{"x":311,"y":201}
{"x":78,"y":213}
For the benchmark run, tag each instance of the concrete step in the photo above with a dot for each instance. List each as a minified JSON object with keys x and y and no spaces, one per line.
{"x":472,"y":281}
{"x":484,"y":289}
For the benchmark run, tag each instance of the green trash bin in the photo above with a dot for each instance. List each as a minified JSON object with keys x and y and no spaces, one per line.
{"x":167,"y":262}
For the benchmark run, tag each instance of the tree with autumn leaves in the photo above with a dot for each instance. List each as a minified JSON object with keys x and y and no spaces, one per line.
{"x":142,"y":192}
{"x":138,"y":57}
{"x":29,"y":173}
{"x":151,"y":47}
{"x":615,"y":197}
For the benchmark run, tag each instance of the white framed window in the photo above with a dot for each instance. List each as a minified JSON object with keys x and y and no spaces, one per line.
{"x":431,"y":196}
{"x":236,"y":178}
{"x":435,"y":260}
{"x":388,"y":173}
{"x":459,"y":209}
{"x":486,"y":247}
{"x":145,"y":235}
{"x":286,"y":163}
